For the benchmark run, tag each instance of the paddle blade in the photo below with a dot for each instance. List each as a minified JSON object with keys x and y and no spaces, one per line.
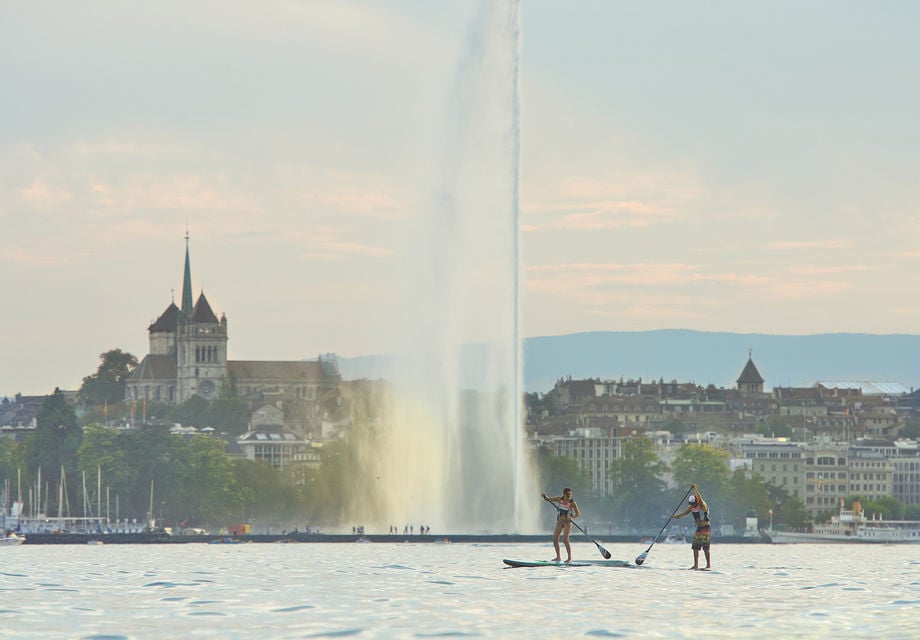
{"x":605,"y":553}
{"x":642,"y":557}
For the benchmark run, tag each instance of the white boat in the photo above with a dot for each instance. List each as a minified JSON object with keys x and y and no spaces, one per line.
{"x":11,"y":540}
{"x":851,"y":525}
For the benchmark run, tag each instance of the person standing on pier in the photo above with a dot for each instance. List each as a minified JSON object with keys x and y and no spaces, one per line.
{"x":568,"y":511}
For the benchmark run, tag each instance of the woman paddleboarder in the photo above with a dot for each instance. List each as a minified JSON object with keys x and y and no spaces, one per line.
{"x":568,"y":511}
{"x":700,"y":510}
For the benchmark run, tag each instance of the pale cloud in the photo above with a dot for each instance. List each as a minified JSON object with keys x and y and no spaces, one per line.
{"x":643,"y":274}
{"x":815,"y":270}
{"x":827,"y":243}
{"x":602,"y":215}
{"x":644,"y":309}
{"x":41,"y":195}
{"x":805,"y":289}
{"x":21,"y":257}
{"x":599,"y":285}
{"x":327,"y":251}
{"x":623,"y":185}
{"x":88,"y":180}
{"x":349,"y":193}
{"x":357,"y":202}
{"x":631,"y":199}
{"x":185,"y":193}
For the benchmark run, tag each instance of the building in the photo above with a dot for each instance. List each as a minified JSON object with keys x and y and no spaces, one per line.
{"x":750,"y":382}
{"x":905,"y":464}
{"x":273,"y":445}
{"x":188,"y":356}
{"x":592,"y":450}
{"x":778,"y":462}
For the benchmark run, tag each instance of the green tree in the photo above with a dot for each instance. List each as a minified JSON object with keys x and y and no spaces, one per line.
{"x":269,"y":495}
{"x":638,"y":484}
{"x":885,"y":507}
{"x":54,"y":443}
{"x":155,"y":453}
{"x":335,"y":481}
{"x":707,"y":466}
{"x":204,"y":484}
{"x":102,"y":449}
{"x":746,"y":492}
{"x":789,"y":512}
{"x":556,"y":473}
{"x":675,"y":426}
{"x":193,"y":412}
{"x":912,"y":512}
{"x":703,"y":464}
{"x":107,"y":385}
{"x":11,"y":460}
{"x":774,"y":426}
{"x":229,"y":413}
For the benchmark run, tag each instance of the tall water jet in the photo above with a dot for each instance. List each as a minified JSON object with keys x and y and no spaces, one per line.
{"x":449,"y":451}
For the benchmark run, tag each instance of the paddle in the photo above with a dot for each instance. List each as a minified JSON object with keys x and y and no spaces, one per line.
{"x":603,"y":551}
{"x":644,"y":554}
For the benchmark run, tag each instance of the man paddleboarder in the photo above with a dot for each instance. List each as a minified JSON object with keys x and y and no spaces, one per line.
{"x":700,"y":510}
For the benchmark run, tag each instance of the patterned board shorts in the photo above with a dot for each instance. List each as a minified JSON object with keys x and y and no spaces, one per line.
{"x":701,"y":539}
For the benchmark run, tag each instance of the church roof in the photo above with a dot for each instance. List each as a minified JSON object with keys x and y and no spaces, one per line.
{"x":265,"y":370}
{"x":203,"y":313}
{"x":187,"y":282}
{"x":750,"y":375}
{"x":167,"y":320}
{"x":155,"y":367}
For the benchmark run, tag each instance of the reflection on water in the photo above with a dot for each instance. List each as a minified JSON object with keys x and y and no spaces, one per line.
{"x":429,"y":590}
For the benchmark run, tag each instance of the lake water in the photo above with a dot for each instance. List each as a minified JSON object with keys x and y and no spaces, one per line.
{"x":431,"y":590}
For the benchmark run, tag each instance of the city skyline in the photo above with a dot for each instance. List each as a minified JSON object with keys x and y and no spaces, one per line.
{"x":745,"y":169}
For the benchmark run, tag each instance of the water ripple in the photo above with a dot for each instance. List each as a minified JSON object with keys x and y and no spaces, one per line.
{"x":404,"y":591}
{"x":300,"y":607}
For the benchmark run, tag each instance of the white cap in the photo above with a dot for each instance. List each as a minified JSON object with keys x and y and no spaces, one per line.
{"x":691,"y":499}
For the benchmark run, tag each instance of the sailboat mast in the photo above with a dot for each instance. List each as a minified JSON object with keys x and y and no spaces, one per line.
{"x":61,"y":499}
{"x":150,"y":513}
{"x":86,"y":515}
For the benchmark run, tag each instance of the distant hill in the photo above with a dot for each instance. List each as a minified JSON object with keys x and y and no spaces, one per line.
{"x":700,"y":357}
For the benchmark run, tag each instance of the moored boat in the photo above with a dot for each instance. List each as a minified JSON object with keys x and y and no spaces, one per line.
{"x":11,"y":540}
{"x":852,"y":525}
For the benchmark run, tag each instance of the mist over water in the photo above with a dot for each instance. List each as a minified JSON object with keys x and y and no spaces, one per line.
{"x":447,"y":455}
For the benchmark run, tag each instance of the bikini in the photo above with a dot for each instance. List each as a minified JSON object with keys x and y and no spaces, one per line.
{"x":564,"y":509}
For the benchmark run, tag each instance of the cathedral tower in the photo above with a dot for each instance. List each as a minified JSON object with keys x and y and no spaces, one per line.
{"x":201,"y":343}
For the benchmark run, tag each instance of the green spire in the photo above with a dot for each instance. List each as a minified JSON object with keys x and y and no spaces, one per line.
{"x":187,"y":304}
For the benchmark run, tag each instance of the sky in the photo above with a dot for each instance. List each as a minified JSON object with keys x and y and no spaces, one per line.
{"x":719,"y":166}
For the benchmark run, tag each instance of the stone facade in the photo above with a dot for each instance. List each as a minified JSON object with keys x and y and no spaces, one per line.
{"x":188,"y":356}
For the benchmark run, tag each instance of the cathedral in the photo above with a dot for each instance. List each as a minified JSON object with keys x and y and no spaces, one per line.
{"x":188,"y":357}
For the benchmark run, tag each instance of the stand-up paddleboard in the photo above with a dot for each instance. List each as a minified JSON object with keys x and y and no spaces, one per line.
{"x":574,"y":563}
